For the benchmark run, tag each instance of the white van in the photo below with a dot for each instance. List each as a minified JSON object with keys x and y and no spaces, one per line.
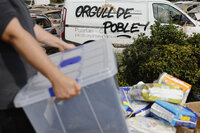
{"x":118,"y":20}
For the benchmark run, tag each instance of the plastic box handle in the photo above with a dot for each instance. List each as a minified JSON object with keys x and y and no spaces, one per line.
{"x":70,"y":61}
{"x":51,"y":93}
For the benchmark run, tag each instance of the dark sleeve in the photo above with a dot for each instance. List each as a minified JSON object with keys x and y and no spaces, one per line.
{"x":7,"y":13}
{"x":33,"y":22}
{"x":29,"y":13}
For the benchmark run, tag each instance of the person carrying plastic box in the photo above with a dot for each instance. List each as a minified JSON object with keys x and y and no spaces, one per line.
{"x":19,"y":47}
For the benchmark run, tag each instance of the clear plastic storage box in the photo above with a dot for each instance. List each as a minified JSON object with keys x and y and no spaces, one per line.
{"x":96,"y":110}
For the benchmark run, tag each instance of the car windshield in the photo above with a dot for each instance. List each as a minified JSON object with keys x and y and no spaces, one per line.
{"x":192,"y":15}
{"x":35,"y":11}
{"x":43,"y":22}
{"x":197,"y":9}
{"x":29,"y":2}
{"x":53,"y":15}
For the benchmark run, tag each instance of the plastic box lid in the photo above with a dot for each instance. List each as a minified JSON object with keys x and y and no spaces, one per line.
{"x":88,"y":64}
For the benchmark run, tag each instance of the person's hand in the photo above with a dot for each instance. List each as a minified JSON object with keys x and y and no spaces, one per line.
{"x":65,"y":46}
{"x":65,"y":87}
{"x":48,"y":39}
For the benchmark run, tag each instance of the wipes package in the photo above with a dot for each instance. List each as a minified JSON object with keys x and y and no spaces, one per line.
{"x":154,"y":91}
{"x":174,"y":114}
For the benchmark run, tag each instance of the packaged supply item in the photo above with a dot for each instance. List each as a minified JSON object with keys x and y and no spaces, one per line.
{"x":174,"y":114}
{"x":126,"y":103}
{"x":154,"y":91}
{"x":141,"y":108}
{"x":134,"y":108}
{"x":96,"y":110}
{"x":148,"y":125}
{"x":170,"y":80}
{"x":195,"y":106}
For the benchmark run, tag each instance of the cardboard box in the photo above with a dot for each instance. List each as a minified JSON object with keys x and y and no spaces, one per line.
{"x":195,"y":106}
{"x":184,"y":130}
{"x":197,"y":130}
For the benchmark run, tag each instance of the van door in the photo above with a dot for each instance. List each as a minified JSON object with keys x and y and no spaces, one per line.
{"x":119,"y":21}
{"x":128,"y":20}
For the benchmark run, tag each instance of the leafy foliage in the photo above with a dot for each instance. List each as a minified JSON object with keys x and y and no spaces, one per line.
{"x":167,"y":34}
{"x":169,"y":50}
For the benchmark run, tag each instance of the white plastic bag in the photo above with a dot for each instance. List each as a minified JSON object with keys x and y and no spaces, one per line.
{"x":148,"y":125}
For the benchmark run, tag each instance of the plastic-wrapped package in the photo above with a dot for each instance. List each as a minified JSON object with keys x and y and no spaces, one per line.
{"x":133,"y":107}
{"x":126,"y":103}
{"x":154,"y":91}
{"x":170,"y":80}
{"x":148,"y":125}
{"x":174,"y":114}
{"x":141,"y":108}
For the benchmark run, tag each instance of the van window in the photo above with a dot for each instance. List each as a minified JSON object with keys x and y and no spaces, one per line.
{"x":166,"y":13}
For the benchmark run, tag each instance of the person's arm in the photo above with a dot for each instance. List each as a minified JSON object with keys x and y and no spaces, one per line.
{"x":47,"y":38}
{"x":63,"y":86}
